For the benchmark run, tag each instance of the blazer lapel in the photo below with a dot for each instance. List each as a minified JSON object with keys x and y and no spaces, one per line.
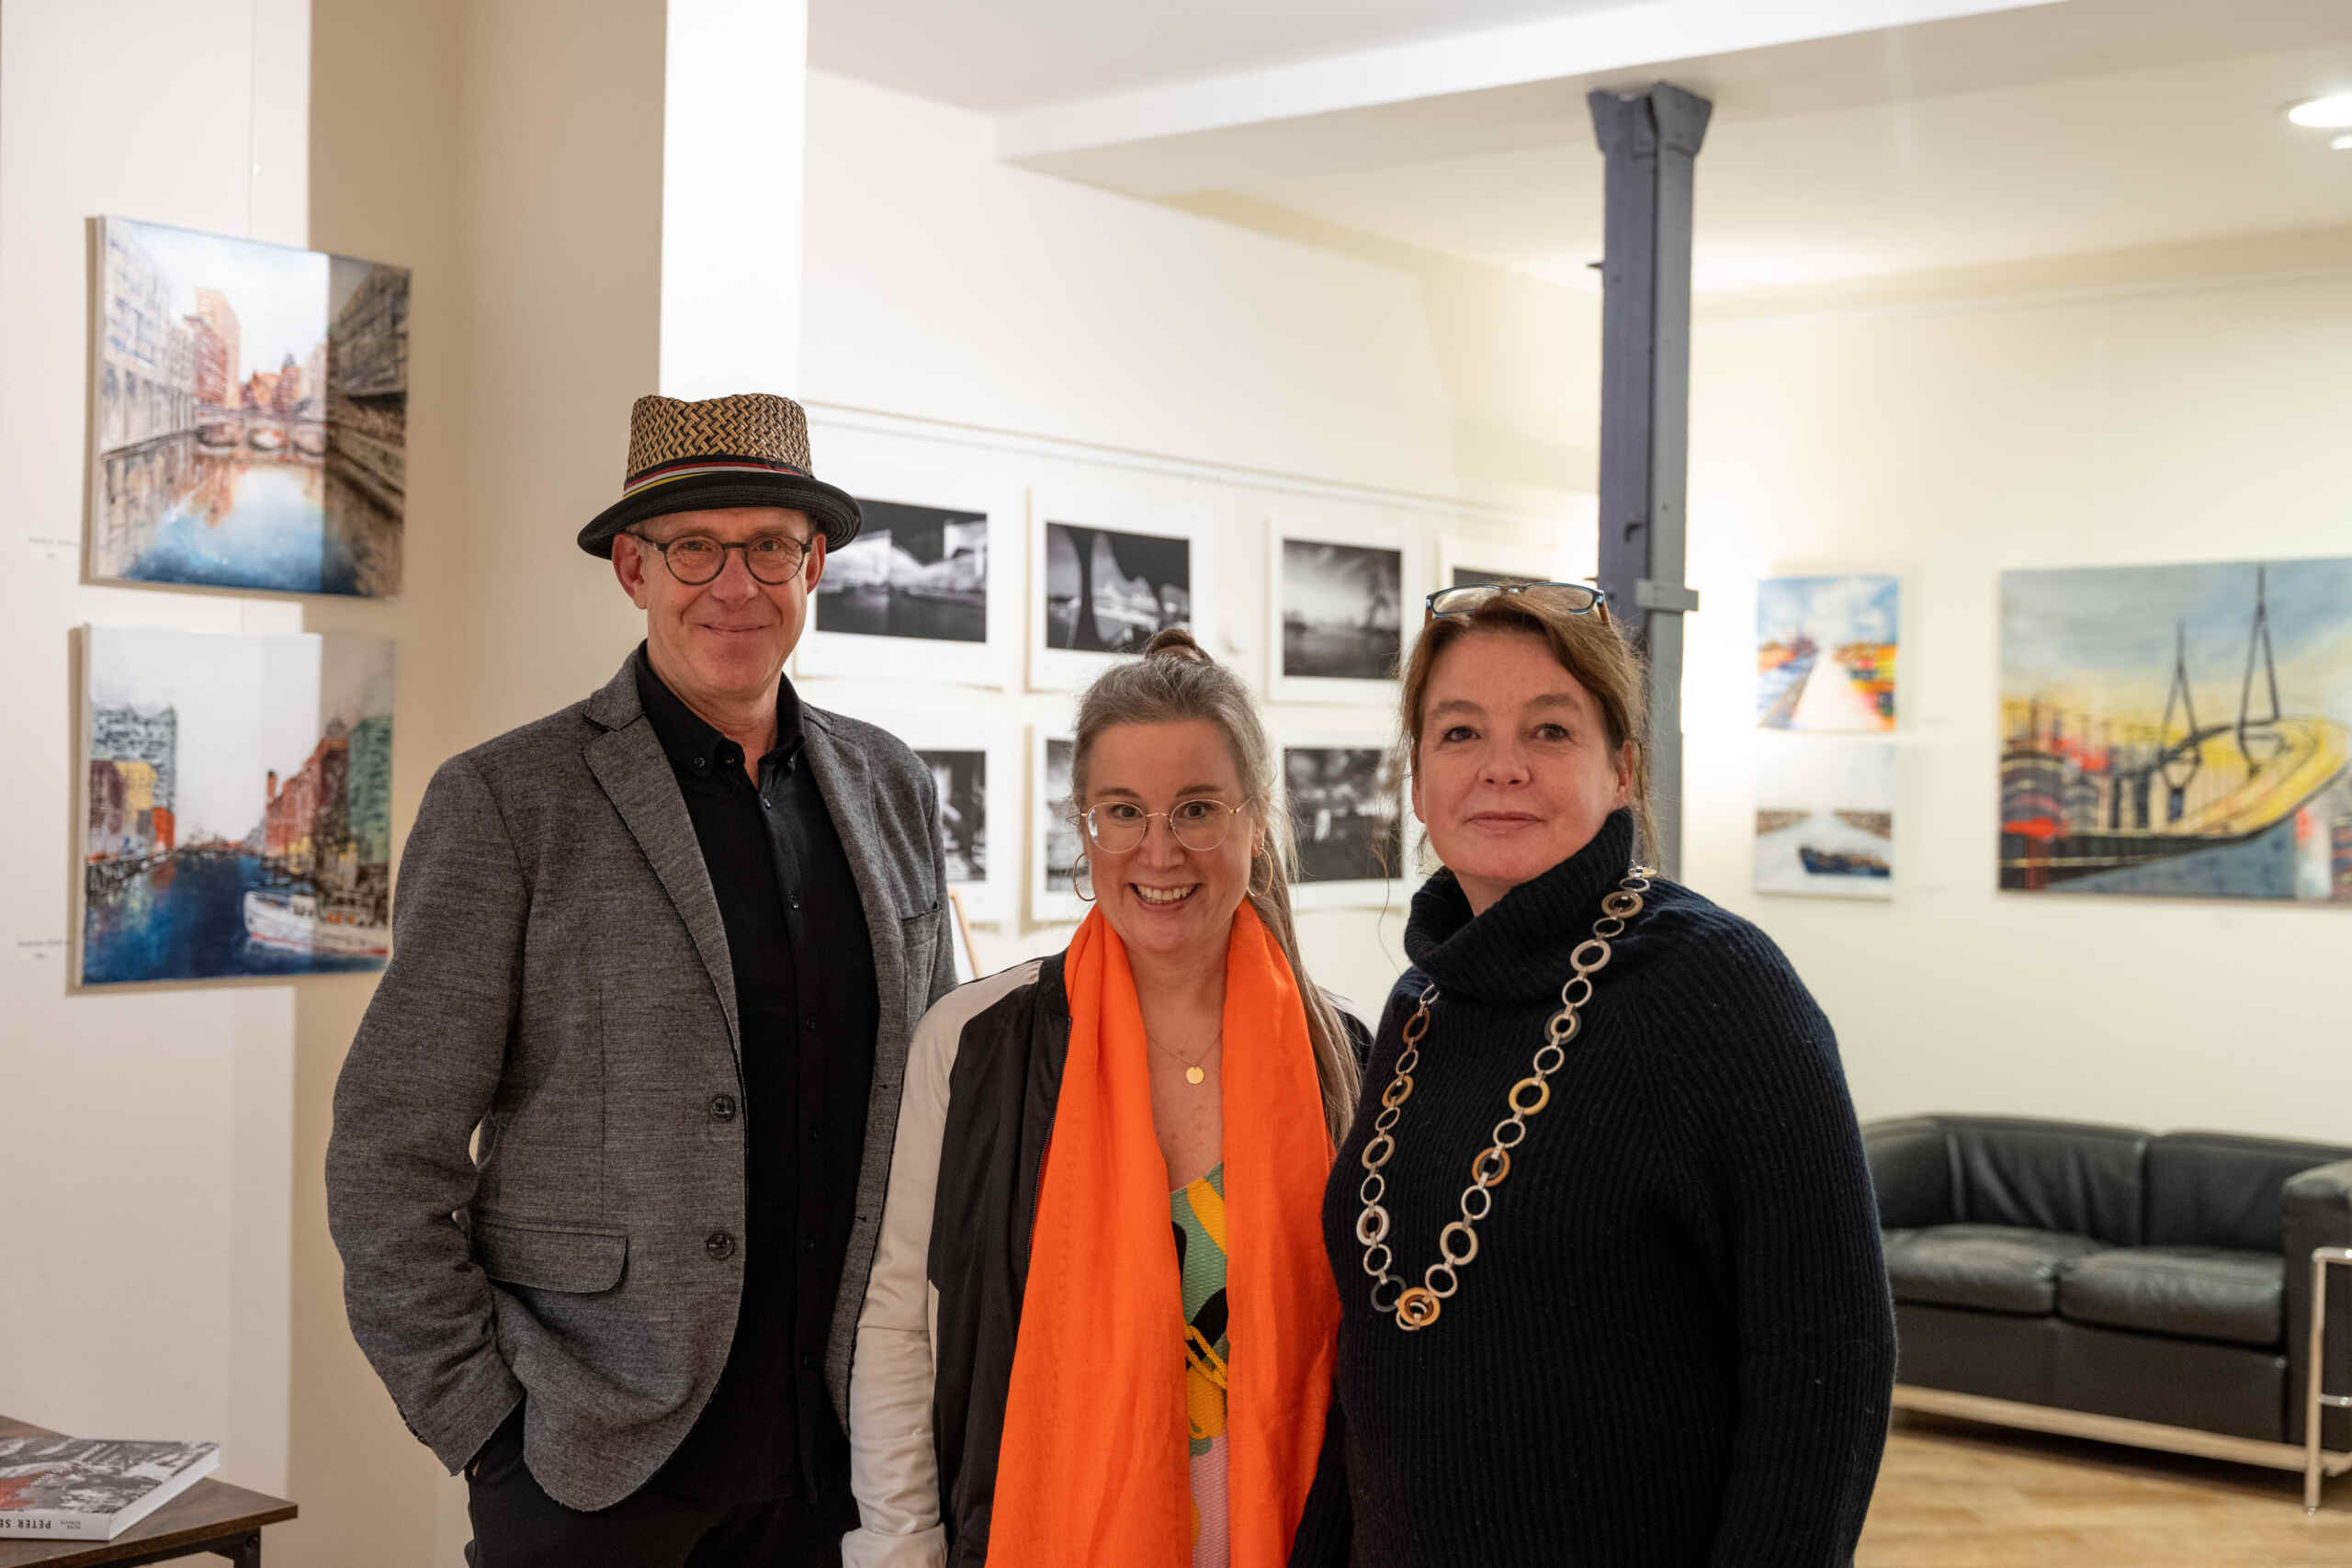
{"x":630,"y":765}
{"x":842,"y":779}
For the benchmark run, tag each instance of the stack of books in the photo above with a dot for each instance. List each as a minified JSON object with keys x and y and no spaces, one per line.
{"x":92,"y":1488}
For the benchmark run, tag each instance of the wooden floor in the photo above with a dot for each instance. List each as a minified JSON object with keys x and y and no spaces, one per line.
{"x":1957,"y":1494}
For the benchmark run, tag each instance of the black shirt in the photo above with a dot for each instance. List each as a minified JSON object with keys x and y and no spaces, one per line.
{"x":1675,"y":1346}
{"x":805,"y":997}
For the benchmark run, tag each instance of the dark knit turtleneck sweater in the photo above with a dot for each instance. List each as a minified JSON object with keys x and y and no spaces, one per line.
{"x":1675,"y":1346}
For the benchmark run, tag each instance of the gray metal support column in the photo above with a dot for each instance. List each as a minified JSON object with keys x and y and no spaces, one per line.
{"x":1650,"y":140}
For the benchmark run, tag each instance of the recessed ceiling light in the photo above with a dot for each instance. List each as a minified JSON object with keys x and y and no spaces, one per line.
{"x":2331,"y":113}
{"x":2342,"y":144}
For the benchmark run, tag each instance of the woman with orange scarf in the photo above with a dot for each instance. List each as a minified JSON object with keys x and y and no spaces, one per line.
{"x":1099,"y":1330}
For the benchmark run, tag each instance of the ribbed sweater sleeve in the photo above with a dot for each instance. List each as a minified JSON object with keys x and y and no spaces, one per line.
{"x":1765,"y":1122}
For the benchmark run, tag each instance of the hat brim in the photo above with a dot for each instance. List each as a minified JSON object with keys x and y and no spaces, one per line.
{"x":833,"y":511}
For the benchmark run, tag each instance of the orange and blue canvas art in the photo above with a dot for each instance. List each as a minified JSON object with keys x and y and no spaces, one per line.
{"x":2178,"y":731}
{"x":1825,"y":652}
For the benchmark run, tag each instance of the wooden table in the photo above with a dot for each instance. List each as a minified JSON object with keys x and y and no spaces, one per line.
{"x":210,"y":1516}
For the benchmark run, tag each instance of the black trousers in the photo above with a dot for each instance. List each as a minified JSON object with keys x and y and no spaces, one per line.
{"x":517,"y":1525}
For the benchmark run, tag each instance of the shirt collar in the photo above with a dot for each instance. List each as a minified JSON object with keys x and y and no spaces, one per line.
{"x":695,"y":747}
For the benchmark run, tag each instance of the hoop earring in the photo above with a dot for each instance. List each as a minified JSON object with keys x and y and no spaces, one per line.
{"x":1085,"y":894}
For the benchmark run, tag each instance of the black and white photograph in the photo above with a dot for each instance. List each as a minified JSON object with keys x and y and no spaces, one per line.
{"x":931,"y":589}
{"x":912,"y":571}
{"x":1108,"y":591}
{"x":1053,"y":896}
{"x":1481,"y":563}
{"x":1343,"y":809}
{"x":962,"y":780}
{"x":1342,"y":588}
{"x":1341,"y":618}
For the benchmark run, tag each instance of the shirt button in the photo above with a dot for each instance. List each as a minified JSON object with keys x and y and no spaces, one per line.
{"x":722,"y":1106}
{"x":807,"y":1246}
{"x":810,"y":1026}
{"x":702,"y":764}
{"x":719,"y":1245}
{"x":805,"y":1358}
{"x":768,"y":801}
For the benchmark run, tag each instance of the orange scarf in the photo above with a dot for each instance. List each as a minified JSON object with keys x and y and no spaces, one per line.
{"x":1092,"y":1469}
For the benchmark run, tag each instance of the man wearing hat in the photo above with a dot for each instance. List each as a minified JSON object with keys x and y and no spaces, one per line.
{"x":657,"y":958}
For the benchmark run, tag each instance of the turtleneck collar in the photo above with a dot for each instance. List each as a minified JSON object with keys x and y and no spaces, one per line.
{"x":1518,"y":948}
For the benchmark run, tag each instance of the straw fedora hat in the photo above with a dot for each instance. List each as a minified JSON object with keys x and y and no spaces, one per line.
{"x":748,"y":449}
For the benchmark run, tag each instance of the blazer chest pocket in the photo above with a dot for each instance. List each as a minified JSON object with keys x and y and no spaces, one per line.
{"x":543,"y":1257}
{"x":920,"y":936}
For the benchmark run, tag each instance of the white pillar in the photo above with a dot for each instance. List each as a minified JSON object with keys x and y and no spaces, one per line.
{"x":733,"y":153}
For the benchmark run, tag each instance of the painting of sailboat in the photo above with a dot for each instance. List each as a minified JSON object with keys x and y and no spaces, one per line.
{"x":1825,"y":652}
{"x":237,"y":806}
{"x":2178,"y":730}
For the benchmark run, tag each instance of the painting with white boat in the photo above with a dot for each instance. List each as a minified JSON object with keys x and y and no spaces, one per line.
{"x":237,"y":819}
{"x":2178,"y":730}
{"x":1824,"y":818}
{"x":248,"y":404}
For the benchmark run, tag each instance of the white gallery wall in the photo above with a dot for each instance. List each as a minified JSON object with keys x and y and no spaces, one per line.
{"x":2190,"y":420}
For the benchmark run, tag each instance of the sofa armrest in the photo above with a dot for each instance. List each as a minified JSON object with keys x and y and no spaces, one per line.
{"x":2317,"y":1206}
{"x":1911,"y":1172}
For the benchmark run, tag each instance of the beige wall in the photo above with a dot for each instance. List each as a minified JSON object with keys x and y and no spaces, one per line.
{"x":2198,"y":418}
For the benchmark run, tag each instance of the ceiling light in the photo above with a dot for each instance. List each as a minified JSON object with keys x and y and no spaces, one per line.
{"x":2342,"y":144}
{"x":2331,"y":113}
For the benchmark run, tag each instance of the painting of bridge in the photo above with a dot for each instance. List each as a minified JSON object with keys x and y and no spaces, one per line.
{"x":1825,"y":652}
{"x":248,"y":404}
{"x":2178,"y":730}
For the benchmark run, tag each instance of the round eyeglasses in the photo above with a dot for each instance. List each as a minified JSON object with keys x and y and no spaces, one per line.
{"x":1576,"y":598}
{"x":1117,"y":826}
{"x":696,"y":559}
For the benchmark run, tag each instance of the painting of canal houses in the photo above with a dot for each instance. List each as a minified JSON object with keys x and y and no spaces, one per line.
{"x":1824,"y":818}
{"x":238,"y":811}
{"x":1825,"y":652}
{"x":249,"y":414}
{"x":2178,"y":730}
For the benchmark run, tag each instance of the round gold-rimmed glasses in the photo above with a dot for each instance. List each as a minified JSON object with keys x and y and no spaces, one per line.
{"x":1117,"y":826}
{"x":696,"y":559}
{"x":1576,"y":598}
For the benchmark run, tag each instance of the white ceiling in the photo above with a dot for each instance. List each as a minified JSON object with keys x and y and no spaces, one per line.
{"x":1968,"y":133}
{"x":1018,"y":54}
{"x":2113,"y":163}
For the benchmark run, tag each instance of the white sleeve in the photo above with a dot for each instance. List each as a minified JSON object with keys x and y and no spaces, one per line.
{"x":894,"y":1467}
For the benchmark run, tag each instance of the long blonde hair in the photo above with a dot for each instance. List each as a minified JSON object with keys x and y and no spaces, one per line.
{"x":1176,"y":682}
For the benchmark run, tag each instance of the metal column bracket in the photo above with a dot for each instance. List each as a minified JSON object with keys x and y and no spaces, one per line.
{"x":1650,"y":140}
{"x":2317,"y":1463}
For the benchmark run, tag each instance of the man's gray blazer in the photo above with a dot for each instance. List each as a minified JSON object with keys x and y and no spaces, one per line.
{"x":561,"y":979}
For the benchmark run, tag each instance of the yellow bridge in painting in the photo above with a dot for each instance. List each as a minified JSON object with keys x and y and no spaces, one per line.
{"x":2244,"y":795}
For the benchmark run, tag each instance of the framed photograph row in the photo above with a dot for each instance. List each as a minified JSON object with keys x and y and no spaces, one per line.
{"x":991,"y":583}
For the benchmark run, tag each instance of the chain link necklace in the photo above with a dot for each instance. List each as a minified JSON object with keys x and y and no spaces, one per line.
{"x":1417,"y":1307}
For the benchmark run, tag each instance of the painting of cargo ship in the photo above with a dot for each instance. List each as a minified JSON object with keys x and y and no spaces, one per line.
{"x":1825,"y":652}
{"x":1824,"y":818}
{"x":238,"y":808}
{"x":2178,"y":730}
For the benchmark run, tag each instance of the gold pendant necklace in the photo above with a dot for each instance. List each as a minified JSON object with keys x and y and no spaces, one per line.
{"x":1417,"y":1307}
{"x":1194,"y":1072}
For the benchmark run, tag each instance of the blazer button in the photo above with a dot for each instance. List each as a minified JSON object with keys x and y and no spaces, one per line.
{"x":722,"y":1106}
{"x":719,"y":1245}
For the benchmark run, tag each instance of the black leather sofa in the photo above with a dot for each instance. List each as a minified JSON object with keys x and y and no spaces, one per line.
{"x":2156,"y":1279}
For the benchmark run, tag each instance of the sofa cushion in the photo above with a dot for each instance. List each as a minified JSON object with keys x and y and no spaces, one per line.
{"x":2073,"y":1178}
{"x":2201,"y":1292}
{"x":1990,"y":1267}
{"x":2222,"y":1190}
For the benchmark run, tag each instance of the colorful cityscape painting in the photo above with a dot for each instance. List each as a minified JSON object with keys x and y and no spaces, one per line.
{"x":1825,"y":652}
{"x":1824,"y":818}
{"x":2178,"y":730}
{"x":239,"y":815}
{"x":250,"y":412}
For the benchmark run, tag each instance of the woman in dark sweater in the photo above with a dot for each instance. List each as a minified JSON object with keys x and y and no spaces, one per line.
{"x":1618,"y":1296}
